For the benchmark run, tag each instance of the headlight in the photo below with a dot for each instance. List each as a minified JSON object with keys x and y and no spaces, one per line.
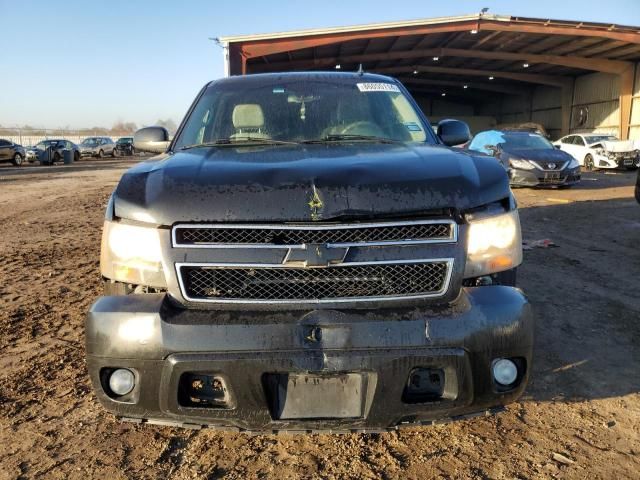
{"x":573,"y":163}
{"x":521,"y":164}
{"x":494,"y":244}
{"x":132,"y":254}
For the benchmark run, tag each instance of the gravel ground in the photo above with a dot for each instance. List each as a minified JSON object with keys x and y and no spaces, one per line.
{"x":580,"y":416}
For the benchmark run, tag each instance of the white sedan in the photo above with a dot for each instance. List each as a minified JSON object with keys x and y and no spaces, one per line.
{"x":593,"y":150}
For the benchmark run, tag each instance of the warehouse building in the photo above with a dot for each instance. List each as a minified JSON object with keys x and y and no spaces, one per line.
{"x":488,"y":70}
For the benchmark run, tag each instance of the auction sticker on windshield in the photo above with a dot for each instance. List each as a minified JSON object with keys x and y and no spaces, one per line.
{"x":377,"y":87}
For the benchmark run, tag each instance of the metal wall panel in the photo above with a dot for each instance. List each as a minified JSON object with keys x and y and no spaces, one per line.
{"x":444,"y":107}
{"x":551,"y":119}
{"x":596,"y":87}
{"x":546,"y":97}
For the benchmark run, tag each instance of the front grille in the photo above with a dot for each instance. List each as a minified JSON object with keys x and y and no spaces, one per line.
{"x":547,"y":165}
{"x":335,"y":283}
{"x":285,"y":235}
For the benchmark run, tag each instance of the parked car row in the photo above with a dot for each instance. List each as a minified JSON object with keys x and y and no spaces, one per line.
{"x":90,"y":147}
{"x":532,"y":160}
{"x":529,"y":158}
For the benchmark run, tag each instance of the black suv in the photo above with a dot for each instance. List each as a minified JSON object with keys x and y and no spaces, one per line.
{"x":12,"y":152}
{"x":124,"y":146}
{"x":307,"y":254}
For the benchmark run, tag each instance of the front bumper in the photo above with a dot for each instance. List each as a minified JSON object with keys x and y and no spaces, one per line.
{"x":628,"y":161}
{"x":543,"y":178}
{"x":88,"y":153}
{"x":160,"y":342}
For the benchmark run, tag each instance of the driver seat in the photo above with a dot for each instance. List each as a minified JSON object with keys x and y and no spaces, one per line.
{"x":248,"y":121}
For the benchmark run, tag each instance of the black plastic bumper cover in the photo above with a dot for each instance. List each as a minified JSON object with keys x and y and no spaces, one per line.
{"x":160,"y":342}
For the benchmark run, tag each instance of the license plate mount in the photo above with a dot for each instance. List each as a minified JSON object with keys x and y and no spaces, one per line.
{"x":299,"y":396}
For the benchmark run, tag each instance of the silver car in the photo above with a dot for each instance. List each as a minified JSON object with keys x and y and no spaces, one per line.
{"x":97,"y":147}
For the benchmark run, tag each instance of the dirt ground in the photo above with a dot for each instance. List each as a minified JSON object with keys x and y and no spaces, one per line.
{"x":580,"y":416}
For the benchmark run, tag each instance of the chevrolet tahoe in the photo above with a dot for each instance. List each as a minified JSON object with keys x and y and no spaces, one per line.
{"x":307,"y":254}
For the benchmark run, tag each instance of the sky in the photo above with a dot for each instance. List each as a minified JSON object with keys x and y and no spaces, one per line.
{"x":92,"y":63}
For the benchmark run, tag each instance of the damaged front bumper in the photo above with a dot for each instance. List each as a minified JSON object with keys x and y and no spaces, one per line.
{"x":538,"y":178}
{"x":321,"y":370}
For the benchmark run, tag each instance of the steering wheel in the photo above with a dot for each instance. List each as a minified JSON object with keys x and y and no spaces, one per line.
{"x":363,"y":128}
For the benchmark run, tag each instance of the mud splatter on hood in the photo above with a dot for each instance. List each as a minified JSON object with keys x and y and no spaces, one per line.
{"x":307,"y":183}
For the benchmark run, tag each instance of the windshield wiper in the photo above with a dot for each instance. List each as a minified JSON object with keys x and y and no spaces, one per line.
{"x":340,"y":137}
{"x":245,"y":141}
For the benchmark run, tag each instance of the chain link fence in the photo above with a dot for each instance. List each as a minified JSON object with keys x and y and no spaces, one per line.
{"x":28,"y":137}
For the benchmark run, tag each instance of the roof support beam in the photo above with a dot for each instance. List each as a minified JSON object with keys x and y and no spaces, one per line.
{"x":555,"y":29}
{"x":554,"y":81}
{"x":487,"y":38}
{"x":567,"y":106}
{"x":626,"y":97}
{"x":594,"y":64}
{"x":504,"y":89}
{"x":279,"y":45}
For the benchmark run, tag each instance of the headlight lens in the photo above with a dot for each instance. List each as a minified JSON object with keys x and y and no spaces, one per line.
{"x":132,"y":254}
{"x":573,"y":163}
{"x":494,"y":244}
{"x":521,"y":164}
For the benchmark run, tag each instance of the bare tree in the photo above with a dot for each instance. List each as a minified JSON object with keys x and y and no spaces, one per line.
{"x":169,"y":124}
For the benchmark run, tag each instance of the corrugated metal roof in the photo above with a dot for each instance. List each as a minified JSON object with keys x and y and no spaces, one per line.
{"x":363,"y":27}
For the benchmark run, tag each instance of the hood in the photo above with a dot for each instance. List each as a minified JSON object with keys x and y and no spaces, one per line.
{"x":306,"y":183}
{"x":617,"y":145}
{"x":542,"y":155}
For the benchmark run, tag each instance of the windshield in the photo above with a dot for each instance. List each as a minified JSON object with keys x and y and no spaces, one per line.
{"x":275,"y":111}
{"x":598,"y":138}
{"x":47,"y":143}
{"x":125,"y":140}
{"x":509,"y":141}
{"x":529,"y":141}
{"x":89,"y":141}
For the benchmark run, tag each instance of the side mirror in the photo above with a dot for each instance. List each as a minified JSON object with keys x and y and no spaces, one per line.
{"x":151,"y":139}
{"x":557,"y":146}
{"x":493,"y":149}
{"x":453,"y":132}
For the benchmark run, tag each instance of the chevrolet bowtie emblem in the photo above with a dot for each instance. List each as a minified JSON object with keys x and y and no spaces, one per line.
{"x":315,"y":255}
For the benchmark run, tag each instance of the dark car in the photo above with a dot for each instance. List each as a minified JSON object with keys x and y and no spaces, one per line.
{"x":124,"y":146}
{"x":51,"y":151}
{"x":12,"y":152}
{"x":307,"y":254}
{"x":530,"y":159}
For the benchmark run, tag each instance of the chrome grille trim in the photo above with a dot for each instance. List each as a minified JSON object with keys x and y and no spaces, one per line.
{"x":453,"y":235}
{"x":336,"y":300}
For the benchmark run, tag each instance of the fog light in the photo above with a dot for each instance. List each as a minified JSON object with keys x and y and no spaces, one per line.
{"x":121,"y":381}
{"x":505,"y":371}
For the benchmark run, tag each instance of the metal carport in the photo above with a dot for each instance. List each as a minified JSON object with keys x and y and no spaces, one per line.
{"x":511,"y":68}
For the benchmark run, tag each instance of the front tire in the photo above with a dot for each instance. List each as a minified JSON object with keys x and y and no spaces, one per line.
{"x":76,"y":156}
{"x":17,"y":160}
{"x":56,"y":158}
{"x":100,"y":154}
{"x":589,"y":164}
{"x":114,"y":154}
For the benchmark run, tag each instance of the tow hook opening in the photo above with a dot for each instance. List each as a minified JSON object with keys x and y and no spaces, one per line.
{"x":203,"y":390}
{"x":424,"y":385}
